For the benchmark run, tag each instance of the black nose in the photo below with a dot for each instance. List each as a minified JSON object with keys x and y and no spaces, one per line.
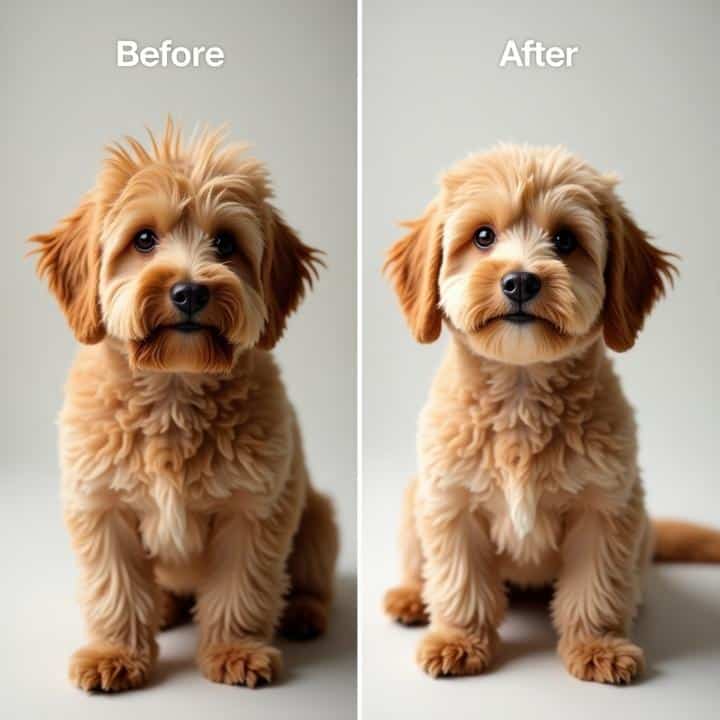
{"x":520,"y":286}
{"x":189,"y":297}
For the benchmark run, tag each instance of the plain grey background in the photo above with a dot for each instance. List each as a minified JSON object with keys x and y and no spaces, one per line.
{"x":641,"y":100}
{"x":288,"y":87}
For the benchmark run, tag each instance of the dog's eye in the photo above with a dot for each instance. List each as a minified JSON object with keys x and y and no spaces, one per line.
{"x":145,"y":241}
{"x":564,"y":242}
{"x":224,"y":244}
{"x":484,"y":237}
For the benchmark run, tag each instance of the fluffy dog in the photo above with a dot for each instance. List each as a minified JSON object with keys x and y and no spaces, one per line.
{"x":527,"y":446}
{"x":183,"y":476}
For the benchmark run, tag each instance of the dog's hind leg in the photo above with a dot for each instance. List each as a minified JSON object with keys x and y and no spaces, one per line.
{"x":404,"y":603}
{"x":311,"y":567}
{"x":174,"y":609}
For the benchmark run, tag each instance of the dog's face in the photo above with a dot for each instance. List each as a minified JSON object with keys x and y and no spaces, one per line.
{"x":178,"y":255}
{"x":529,"y":256}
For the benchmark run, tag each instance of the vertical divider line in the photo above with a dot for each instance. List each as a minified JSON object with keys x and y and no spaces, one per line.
{"x":359,"y":352}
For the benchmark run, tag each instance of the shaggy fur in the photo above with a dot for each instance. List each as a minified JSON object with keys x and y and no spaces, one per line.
{"x":183,"y":473}
{"x":527,"y":446}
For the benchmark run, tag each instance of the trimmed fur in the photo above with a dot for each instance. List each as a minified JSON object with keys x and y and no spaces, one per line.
{"x":183,"y":472}
{"x":527,"y":446}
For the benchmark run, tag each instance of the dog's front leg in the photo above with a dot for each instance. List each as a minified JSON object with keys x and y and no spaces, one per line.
{"x":240,"y":602}
{"x":597,"y":591}
{"x":463,"y":590}
{"x":118,"y":593}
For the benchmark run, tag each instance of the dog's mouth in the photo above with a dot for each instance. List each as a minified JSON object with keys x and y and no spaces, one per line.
{"x":189,"y":327}
{"x":519,"y":318}
{"x":185,"y":327}
{"x":522,"y":317}
{"x":183,"y":347}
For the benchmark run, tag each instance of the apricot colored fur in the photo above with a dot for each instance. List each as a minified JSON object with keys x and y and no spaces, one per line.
{"x":183,"y":473}
{"x":527,"y":446}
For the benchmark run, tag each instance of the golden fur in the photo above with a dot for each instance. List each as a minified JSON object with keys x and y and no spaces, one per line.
{"x":527,"y":446}
{"x":182,"y":465}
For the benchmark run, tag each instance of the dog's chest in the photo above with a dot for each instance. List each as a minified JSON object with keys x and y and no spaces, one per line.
{"x":168,"y":482}
{"x":179,"y":467}
{"x":515,"y":455}
{"x":527,"y":531}
{"x":170,"y":528}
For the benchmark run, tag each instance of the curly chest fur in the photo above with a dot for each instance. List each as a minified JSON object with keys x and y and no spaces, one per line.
{"x":526,"y":444}
{"x":175,"y":450}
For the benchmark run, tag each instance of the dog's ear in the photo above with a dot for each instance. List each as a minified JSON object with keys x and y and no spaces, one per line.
{"x":636,"y":275}
{"x":288,"y":269}
{"x":69,"y":260}
{"x":413,"y":266}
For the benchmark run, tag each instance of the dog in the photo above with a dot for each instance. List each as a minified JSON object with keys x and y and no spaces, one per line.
{"x":183,"y":476}
{"x":527,"y":447}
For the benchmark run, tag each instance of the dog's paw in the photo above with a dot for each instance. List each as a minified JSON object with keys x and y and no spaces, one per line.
{"x":606,"y":659}
{"x":405,"y":605}
{"x":453,"y":652}
{"x":305,"y":617}
{"x":109,"y":668}
{"x":174,"y":609}
{"x":247,"y":663}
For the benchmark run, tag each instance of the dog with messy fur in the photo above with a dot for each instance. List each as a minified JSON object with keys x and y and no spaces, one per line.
{"x":184,"y":483}
{"x":527,"y":449}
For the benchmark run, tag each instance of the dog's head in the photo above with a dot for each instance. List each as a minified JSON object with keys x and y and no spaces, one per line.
{"x":178,"y":254}
{"x":529,"y":255}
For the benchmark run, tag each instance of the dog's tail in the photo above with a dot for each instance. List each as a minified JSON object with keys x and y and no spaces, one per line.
{"x":683,"y":542}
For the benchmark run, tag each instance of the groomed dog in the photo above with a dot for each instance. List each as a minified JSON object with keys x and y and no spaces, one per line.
{"x":183,"y":473}
{"x":527,"y":447}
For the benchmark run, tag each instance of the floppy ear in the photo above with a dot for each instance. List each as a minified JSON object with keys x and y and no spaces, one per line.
{"x":288,"y":268}
{"x":636,"y":274}
{"x":70,"y":263}
{"x":413,"y":266}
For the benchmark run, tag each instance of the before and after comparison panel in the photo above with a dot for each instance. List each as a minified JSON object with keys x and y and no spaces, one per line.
{"x":360,"y":359}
